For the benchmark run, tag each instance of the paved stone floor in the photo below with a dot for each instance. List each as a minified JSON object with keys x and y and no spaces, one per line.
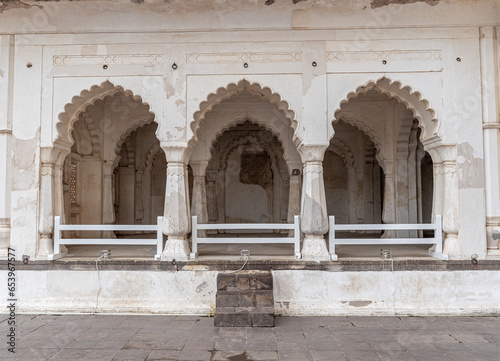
{"x":114,"y":337}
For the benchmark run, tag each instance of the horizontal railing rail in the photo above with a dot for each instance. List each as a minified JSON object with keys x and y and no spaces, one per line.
{"x":295,"y":240}
{"x":60,"y":241}
{"x":436,"y":240}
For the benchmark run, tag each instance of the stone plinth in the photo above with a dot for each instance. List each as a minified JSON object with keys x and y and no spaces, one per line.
{"x":244,"y":299}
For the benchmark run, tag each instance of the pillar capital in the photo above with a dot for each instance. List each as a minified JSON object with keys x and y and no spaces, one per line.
{"x":312,"y":152}
{"x":177,"y":152}
{"x":55,"y":154}
{"x":198,"y":168}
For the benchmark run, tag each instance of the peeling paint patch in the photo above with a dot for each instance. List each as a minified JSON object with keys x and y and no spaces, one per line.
{"x":169,"y":89}
{"x":359,"y":303}
{"x":23,"y":161}
{"x":201,"y":287}
{"x":379,"y":3}
{"x":15,"y":4}
{"x":470,"y":168}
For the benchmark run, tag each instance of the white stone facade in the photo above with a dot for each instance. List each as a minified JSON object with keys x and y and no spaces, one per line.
{"x":250,"y":111}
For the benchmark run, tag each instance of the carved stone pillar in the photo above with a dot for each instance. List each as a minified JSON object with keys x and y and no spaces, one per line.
{"x":388,"y":205}
{"x":211,"y":176}
{"x":351,"y":188}
{"x":491,"y":135}
{"x":360,"y":196}
{"x":368,"y":188}
{"x":420,"y":154}
{"x":446,"y":196}
{"x":108,"y":207}
{"x":451,"y":245}
{"x":199,"y":201}
{"x":313,"y":217}
{"x":49,"y":156}
{"x":58,"y":188}
{"x":139,"y":203}
{"x":176,"y":216}
{"x":294,"y":192}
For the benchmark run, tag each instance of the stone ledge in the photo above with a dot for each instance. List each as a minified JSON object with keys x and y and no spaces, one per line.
{"x":256,"y":265}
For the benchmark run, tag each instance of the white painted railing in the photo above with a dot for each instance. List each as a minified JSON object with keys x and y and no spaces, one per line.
{"x":437,"y":240}
{"x":59,"y":241}
{"x":246,"y":226}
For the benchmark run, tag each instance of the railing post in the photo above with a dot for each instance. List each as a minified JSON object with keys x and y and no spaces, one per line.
{"x":438,"y":233}
{"x":331,"y":239}
{"x":57,"y":234}
{"x":194,"y":237}
{"x":159,"y":238}
{"x":296,"y":236}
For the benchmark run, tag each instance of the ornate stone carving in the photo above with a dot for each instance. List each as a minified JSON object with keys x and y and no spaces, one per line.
{"x":413,"y":100}
{"x":396,"y":55}
{"x":231,"y":89}
{"x":314,"y":248}
{"x":177,"y":248}
{"x":217,"y":58}
{"x":79,"y":103}
{"x":124,"y":59}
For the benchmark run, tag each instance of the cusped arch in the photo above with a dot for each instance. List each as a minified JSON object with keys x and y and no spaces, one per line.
{"x":86,"y":98}
{"x":343,"y":149}
{"x":370,"y":134}
{"x":150,"y":155}
{"x":412,"y":99}
{"x":218,"y":135}
{"x":140,"y":122}
{"x":231,"y":89}
{"x":95,"y":134}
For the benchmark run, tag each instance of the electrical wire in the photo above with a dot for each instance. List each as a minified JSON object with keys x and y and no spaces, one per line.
{"x":246,"y":257}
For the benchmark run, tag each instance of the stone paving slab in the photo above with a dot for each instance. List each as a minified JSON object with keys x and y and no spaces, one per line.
{"x":191,"y":338}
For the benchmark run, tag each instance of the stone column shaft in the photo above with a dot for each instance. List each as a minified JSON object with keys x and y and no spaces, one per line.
{"x":450,"y":225}
{"x":314,"y":217}
{"x":46,"y":225}
{"x":177,"y":216}
{"x":199,"y":201}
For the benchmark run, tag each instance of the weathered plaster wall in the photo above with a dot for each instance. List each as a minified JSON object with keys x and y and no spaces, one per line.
{"x":25,"y":148}
{"x":191,"y":292}
{"x":295,"y":292}
{"x":386,"y":293}
{"x":238,"y":14}
{"x":6,"y":81}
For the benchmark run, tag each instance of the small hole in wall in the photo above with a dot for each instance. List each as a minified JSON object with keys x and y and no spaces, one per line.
{"x":174,"y":66}
{"x":314,"y":64}
{"x":245,"y":65}
{"x":459,"y":59}
{"x":29,"y":65}
{"x":384,"y":62}
{"x":105,"y":66}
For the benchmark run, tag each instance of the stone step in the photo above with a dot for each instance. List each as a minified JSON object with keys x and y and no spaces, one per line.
{"x":244,"y":299}
{"x":247,"y":298}
{"x":245,"y":280}
{"x":244,"y":317}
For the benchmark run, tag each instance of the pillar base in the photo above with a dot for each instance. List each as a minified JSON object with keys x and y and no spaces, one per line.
{"x":4,"y":238}
{"x":45,"y":248}
{"x":451,"y":247}
{"x":493,"y":238}
{"x":314,"y":248}
{"x":177,"y":248}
